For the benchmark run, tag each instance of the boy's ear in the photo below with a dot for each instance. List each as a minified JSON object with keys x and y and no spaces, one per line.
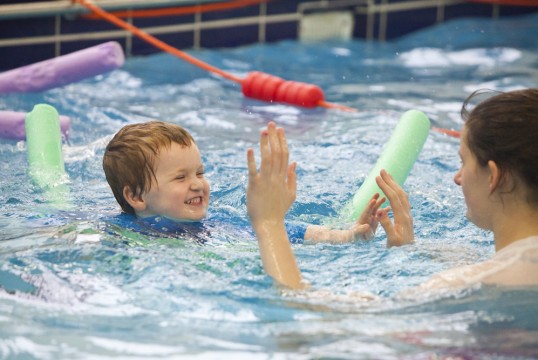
{"x":136,"y":201}
{"x":494,"y":176}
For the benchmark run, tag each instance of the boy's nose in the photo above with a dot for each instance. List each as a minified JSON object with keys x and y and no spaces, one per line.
{"x":196,"y":184}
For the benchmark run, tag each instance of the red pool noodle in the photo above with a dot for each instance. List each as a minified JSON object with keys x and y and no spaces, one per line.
{"x":260,"y":86}
{"x":63,"y":69}
{"x":12,"y":125}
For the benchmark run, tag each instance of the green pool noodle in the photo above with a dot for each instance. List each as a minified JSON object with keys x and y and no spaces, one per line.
{"x":45,"y":156}
{"x":397,"y":158}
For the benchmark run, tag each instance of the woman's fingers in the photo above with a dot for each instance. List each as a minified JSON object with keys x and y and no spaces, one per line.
{"x":397,"y":196}
{"x":401,"y":231}
{"x":389,"y":187}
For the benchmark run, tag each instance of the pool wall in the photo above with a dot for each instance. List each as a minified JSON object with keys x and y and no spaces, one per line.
{"x":32,"y":31}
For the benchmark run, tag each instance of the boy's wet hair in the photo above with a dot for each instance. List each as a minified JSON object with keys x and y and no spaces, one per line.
{"x":504,"y":128}
{"x":129,"y":157}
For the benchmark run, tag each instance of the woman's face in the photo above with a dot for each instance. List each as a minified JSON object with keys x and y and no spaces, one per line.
{"x":474,"y":180}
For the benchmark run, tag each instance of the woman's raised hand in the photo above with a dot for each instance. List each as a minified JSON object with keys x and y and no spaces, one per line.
{"x":401,"y":231}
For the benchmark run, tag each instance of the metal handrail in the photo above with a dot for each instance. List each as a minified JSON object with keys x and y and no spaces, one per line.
{"x":66,"y":7}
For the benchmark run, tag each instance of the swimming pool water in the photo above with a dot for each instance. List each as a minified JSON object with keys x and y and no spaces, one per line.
{"x":74,"y":285}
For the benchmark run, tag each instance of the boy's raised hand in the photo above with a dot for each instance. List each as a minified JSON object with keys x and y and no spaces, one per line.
{"x":272,"y":191}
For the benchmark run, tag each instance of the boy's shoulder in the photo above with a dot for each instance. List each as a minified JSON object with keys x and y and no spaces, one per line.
{"x":161,"y":226}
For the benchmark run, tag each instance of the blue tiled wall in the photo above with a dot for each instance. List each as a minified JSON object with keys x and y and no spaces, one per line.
{"x":374,"y":20}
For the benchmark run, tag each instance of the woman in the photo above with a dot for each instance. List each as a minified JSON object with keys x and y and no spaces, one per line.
{"x":498,"y":177}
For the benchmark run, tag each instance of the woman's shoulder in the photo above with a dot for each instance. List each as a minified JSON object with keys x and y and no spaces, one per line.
{"x":518,"y":247}
{"x":517,"y":264}
{"x":514,"y":265}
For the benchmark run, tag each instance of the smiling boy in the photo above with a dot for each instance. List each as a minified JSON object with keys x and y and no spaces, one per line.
{"x":155,"y":170}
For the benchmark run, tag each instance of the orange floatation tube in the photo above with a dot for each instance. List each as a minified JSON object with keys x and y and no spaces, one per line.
{"x":257,"y":85}
{"x":265,"y":87}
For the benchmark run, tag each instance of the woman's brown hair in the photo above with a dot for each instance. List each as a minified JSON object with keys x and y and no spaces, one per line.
{"x":504,"y":128}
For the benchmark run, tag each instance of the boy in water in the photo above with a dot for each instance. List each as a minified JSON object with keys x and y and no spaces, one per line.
{"x":156,"y":173}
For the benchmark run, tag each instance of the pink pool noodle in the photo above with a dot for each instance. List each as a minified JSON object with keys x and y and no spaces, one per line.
{"x":63,"y":69}
{"x":12,"y":125}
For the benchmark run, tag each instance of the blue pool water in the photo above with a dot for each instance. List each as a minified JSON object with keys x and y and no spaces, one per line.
{"x":75,"y":285}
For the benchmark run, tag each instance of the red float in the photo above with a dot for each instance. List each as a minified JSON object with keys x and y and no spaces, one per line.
{"x":261,"y":86}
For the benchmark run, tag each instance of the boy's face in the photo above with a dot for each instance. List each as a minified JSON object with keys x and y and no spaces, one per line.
{"x":181,"y":192}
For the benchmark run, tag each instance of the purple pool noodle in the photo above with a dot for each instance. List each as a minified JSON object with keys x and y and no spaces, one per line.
{"x":63,"y":69}
{"x":12,"y":125}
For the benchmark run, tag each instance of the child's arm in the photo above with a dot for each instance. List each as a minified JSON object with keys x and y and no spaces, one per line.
{"x":270,"y":193}
{"x":363,"y":229}
{"x":401,"y":231}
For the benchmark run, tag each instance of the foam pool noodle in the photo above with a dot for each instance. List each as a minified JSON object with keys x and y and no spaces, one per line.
{"x":397,"y":158}
{"x":63,"y":69}
{"x":13,"y":125}
{"x":45,"y":156}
